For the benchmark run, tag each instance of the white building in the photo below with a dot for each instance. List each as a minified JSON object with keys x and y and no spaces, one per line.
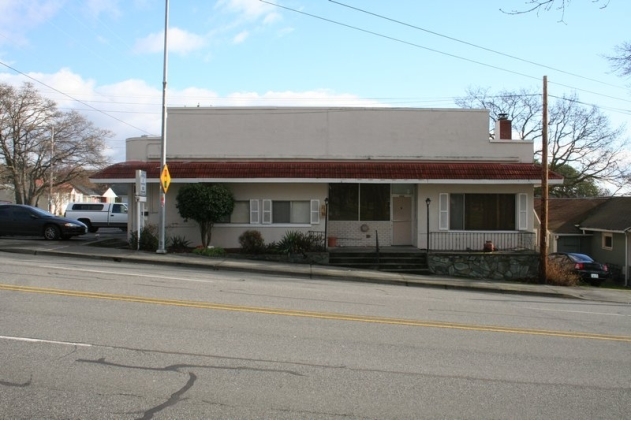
{"x":398,"y":174}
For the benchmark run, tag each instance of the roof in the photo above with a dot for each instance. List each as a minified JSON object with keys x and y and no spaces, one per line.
{"x":613,"y":215}
{"x":573,"y":215}
{"x":565,"y":213}
{"x":322,"y":171}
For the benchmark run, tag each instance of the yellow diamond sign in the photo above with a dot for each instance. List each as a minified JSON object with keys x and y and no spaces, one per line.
{"x":165,"y":178}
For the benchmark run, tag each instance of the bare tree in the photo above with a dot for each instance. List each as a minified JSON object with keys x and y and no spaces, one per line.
{"x":621,"y":61}
{"x":580,"y":137}
{"x":28,"y":152}
{"x":537,"y":6}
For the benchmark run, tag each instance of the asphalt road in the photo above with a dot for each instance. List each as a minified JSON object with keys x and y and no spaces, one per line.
{"x":84,"y":339}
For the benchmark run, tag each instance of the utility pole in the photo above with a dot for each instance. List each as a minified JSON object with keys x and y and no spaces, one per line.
{"x":543,"y":228}
{"x":163,"y":163}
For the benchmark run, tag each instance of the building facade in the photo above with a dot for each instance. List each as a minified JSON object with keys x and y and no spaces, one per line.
{"x":399,"y":176}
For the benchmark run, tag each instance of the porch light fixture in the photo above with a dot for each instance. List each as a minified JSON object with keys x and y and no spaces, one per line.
{"x":427,"y":202}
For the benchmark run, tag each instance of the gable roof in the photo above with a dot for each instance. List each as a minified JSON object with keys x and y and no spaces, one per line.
{"x":613,"y":215}
{"x":565,"y":213}
{"x":323,"y":171}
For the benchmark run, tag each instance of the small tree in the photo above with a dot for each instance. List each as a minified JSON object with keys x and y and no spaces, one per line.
{"x":205,"y":204}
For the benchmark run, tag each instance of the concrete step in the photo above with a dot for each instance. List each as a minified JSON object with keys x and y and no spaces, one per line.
{"x":407,"y":262}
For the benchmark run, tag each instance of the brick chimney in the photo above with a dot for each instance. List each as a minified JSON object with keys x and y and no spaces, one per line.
{"x":503,"y":129}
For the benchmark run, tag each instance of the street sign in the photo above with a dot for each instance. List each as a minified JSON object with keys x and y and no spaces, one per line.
{"x":165,"y":178}
{"x":141,"y":183}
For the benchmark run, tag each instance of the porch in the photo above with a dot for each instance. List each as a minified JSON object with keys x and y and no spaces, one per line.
{"x":513,"y":256}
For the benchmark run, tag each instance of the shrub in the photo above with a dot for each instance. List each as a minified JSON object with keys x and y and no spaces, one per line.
{"x":148,"y":238}
{"x":296,"y":242}
{"x":561,"y":276}
{"x":252,"y":242}
{"x":210,"y":252}
{"x":178,"y":243}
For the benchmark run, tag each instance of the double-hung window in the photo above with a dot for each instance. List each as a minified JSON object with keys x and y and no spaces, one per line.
{"x":300,"y":212}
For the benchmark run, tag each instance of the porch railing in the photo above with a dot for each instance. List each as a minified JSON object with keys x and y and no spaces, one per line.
{"x":475,"y":241}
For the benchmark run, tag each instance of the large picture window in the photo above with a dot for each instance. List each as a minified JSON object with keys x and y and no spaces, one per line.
{"x":359,"y":202}
{"x":482,"y":212}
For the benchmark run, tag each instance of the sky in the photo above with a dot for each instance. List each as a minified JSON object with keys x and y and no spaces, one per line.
{"x":105,"y":58}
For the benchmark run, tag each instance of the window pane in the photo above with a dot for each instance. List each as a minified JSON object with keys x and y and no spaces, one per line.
{"x":241,"y":212}
{"x":506,"y":212}
{"x":300,"y":212}
{"x":280,"y":212}
{"x":456,"y":211}
{"x":490,"y":212}
{"x":374,"y":202}
{"x":343,"y":202}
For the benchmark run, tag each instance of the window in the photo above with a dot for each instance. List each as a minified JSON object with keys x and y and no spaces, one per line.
{"x":119,"y":209}
{"x":87,"y":207}
{"x":275,"y":212}
{"x":240,"y":214}
{"x":482,"y":212}
{"x":289,"y":212}
{"x":607,"y":240}
{"x":344,"y":202}
{"x":359,"y":202}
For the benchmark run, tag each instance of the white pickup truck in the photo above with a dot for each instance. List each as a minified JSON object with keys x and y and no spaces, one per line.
{"x":99,"y":215}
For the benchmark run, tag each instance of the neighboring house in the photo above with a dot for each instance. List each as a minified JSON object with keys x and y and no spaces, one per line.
{"x":6,"y":195}
{"x":358,"y":174}
{"x":599,"y":227}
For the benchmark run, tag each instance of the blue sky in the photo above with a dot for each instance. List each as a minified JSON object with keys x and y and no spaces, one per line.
{"x":109,"y":54}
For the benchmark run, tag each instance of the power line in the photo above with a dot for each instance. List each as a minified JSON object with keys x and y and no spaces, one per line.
{"x":474,"y":45}
{"x":398,"y":40}
{"x":438,"y":51}
{"x":74,"y":99}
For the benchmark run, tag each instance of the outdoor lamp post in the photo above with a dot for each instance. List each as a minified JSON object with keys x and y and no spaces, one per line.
{"x":326,"y":222}
{"x":427,"y":202}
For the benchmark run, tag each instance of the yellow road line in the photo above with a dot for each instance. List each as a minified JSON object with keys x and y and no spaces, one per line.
{"x":311,"y":314}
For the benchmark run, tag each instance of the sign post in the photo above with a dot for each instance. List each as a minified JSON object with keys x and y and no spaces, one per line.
{"x":141,"y":198}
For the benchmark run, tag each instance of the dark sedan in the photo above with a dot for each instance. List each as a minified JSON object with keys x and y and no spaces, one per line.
{"x":31,"y":221}
{"x":588,"y":269}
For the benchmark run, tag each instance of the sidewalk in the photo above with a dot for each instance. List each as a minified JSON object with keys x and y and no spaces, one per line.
{"x":82,"y":250}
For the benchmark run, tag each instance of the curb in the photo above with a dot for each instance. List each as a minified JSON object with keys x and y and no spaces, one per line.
{"x":305,"y":271}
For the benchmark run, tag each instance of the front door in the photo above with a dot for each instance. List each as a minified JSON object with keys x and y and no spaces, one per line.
{"x":401,"y":221}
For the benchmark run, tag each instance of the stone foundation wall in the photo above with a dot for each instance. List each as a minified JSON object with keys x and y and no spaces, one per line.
{"x":495,"y":266}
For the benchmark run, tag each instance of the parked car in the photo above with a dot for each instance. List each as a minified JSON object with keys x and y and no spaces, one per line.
{"x":31,"y":221}
{"x":588,"y":269}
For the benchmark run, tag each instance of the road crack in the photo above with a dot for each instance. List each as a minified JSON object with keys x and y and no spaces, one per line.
{"x":174,"y":399}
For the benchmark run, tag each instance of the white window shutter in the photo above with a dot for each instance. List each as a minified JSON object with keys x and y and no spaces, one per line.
{"x":267,"y":211}
{"x":522,"y":203}
{"x":254,"y":211}
{"x":443,"y":211}
{"x":315,"y":211}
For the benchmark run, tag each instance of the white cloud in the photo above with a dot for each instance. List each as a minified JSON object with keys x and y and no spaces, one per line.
{"x":315,"y":98}
{"x":250,"y":9}
{"x":17,"y":17}
{"x":96,"y":8}
{"x":179,"y":41}
{"x":131,"y":108}
{"x":241,"y":37}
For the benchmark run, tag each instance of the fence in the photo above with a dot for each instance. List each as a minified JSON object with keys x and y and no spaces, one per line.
{"x":475,"y":241}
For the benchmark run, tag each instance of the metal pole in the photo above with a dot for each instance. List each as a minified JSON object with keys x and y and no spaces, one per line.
{"x":52,"y":155}
{"x":161,"y":245}
{"x":427,"y":202}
